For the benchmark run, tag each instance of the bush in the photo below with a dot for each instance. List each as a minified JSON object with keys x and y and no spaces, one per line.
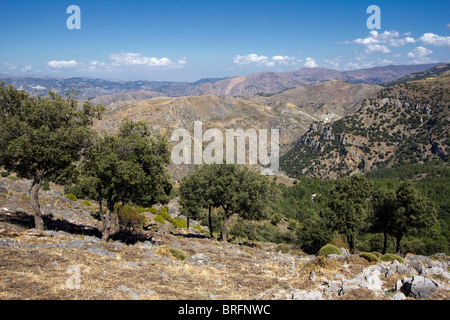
{"x":45,"y":186}
{"x":369,"y":256}
{"x":131,"y":217}
{"x":329,"y":249}
{"x":170,"y":252}
{"x":178,"y":222}
{"x":4,"y":174}
{"x":391,"y":257}
{"x":377,"y":254}
{"x":71,"y":196}
{"x":159,"y":219}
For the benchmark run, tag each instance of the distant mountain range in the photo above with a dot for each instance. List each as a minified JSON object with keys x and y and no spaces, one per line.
{"x":262,"y":83}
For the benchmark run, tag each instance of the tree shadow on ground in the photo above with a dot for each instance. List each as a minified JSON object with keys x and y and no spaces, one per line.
{"x":26,"y":221}
{"x":131,"y":236}
{"x":191,"y":235}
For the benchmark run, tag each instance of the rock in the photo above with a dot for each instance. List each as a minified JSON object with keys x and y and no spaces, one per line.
{"x":345,"y":252}
{"x":131,"y":264}
{"x":3,"y":190}
{"x":312,"y":276}
{"x":396,"y":267}
{"x":399,"y":296}
{"x":436,"y":271}
{"x":123,"y":288}
{"x":373,"y":281}
{"x":199,"y":259}
{"x":419,"y":287}
{"x":335,"y":256}
{"x":307,"y":295}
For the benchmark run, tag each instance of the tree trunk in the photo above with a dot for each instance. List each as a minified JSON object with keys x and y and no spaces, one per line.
{"x":34,"y":201}
{"x":224,"y":227}
{"x":187,"y":222}
{"x":111,"y":220}
{"x":210,"y":222}
{"x":398,"y":240}
{"x":385,"y":242}
{"x":354,"y":244}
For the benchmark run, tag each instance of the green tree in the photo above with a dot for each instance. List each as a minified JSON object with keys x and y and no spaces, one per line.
{"x":236,"y":189}
{"x":348,"y":207}
{"x":41,"y":138}
{"x":414,"y":215}
{"x":384,"y":207}
{"x":194,"y":195}
{"x":129,"y":166}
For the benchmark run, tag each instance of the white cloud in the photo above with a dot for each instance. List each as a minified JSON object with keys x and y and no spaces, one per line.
{"x":263,"y":60}
{"x":10,"y":66}
{"x":310,"y":63}
{"x":434,"y":39}
{"x":26,"y":68}
{"x":250,"y":58}
{"x":377,"y":48}
{"x":62,"y":64}
{"x":182,"y":61}
{"x":137,"y":59}
{"x":419,"y":52}
{"x":93,"y":65}
{"x":334,"y":62}
{"x":380,"y":42}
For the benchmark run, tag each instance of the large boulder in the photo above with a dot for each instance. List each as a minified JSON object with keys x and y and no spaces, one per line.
{"x":419,"y":287}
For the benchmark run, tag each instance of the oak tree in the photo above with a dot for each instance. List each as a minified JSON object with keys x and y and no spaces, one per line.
{"x":42,"y":138}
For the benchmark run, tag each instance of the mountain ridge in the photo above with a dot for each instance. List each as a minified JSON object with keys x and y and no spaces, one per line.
{"x":264,"y":82}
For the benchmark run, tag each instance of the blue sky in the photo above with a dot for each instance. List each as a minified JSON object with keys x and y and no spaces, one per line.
{"x":187,"y":40}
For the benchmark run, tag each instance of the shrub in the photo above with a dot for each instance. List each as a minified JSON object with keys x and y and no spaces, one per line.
{"x":4,"y":174}
{"x":178,"y":222}
{"x":170,"y":252}
{"x":45,"y":186}
{"x":329,"y":249}
{"x":376,"y":254}
{"x":391,"y":257}
{"x":71,"y":196}
{"x":369,"y":256}
{"x":131,"y":217}
{"x":159,"y":219}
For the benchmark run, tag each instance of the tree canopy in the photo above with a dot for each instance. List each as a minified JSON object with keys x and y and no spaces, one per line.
{"x":128,"y":166}
{"x":42,"y":138}
{"x":234,"y":188}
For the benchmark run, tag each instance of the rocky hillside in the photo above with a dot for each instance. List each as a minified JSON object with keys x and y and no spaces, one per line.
{"x":407,"y":123}
{"x":326,"y":101}
{"x":68,"y":261}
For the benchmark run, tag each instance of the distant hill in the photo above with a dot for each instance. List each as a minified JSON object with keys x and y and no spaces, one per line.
{"x":440,"y":70}
{"x":272,"y":82}
{"x":327,"y":101}
{"x":264,"y":82}
{"x":405,"y":124}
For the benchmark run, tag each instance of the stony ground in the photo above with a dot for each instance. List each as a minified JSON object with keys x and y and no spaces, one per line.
{"x":68,"y":261}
